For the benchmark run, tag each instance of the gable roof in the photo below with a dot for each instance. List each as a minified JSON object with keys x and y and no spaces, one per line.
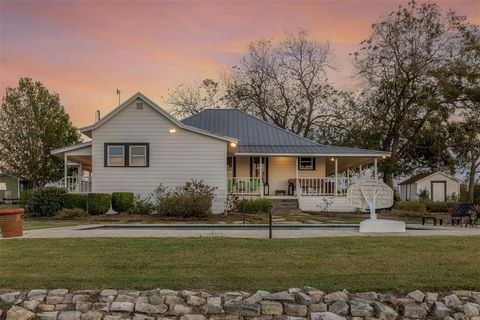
{"x":424,"y":175}
{"x":88,"y":130}
{"x":72,"y":147}
{"x":257,"y":136}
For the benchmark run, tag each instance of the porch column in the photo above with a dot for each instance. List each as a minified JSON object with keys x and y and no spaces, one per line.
{"x":336,"y":177}
{"x":79,"y":178}
{"x":297,"y":183}
{"x":375,"y":174}
{"x":348,"y":177}
{"x":261,"y":177}
{"x":65,"y":170}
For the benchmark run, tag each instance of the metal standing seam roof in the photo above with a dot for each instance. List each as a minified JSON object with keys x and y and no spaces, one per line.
{"x":258,"y":136}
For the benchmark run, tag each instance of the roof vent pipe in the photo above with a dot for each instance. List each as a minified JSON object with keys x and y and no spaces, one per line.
{"x":97,"y":115}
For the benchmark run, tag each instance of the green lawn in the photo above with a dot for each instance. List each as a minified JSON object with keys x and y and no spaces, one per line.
{"x":362,"y":263}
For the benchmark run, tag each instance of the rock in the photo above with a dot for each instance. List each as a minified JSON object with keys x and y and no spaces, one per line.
{"x":46,"y":307}
{"x":193,"y":317}
{"x":122,"y":306}
{"x":19,"y":313}
{"x":30,"y":304}
{"x":302,"y":298}
{"x":9,"y":297}
{"x":108,"y":292}
{"x":414,"y":311}
{"x":54,"y":299}
{"x":168,"y":292}
{"x":325,"y":316}
{"x":271,"y":307}
{"x":469,"y":309}
{"x":52,"y":315}
{"x":440,"y":310}
{"x":317,"y":307}
{"x":101,"y":306}
{"x":213,"y":305}
{"x":61,"y":307}
{"x":142,"y":317}
{"x":68,"y":298}
{"x":157,"y":299}
{"x":188,"y":293}
{"x":58,"y":292}
{"x":143,"y":307}
{"x":417,"y":295}
{"x":404,"y":301}
{"x":254,"y":298}
{"x":312,"y":291}
{"x":388,"y":299}
{"x":452,"y":301}
{"x":233,"y":295}
{"x":295,"y":309}
{"x":459,"y":316}
{"x":83,"y":306}
{"x":80,"y":297}
{"x":69,"y":315}
{"x":360,"y":309}
{"x":384,"y":312}
{"x":196,"y":301}
{"x":173,"y":300}
{"x":372,"y":296}
{"x":335,"y":296}
{"x":431,"y":297}
{"x":339,"y":307}
{"x":462,"y":293}
{"x":111,"y":317}
{"x":122,"y":297}
{"x":37,"y":292}
{"x":280,"y":296}
{"x":242,"y":309}
{"x":179,"y":309}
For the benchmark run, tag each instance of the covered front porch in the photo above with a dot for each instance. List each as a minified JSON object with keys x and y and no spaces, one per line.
{"x":316,"y":181}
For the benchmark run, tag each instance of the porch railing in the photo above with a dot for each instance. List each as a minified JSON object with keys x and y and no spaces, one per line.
{"x":243,"y":185}
{"x":74,"y":184}
{"x":320,"y":186}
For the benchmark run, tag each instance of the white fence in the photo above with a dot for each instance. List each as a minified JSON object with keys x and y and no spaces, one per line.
{"x":244,"y":185}
{"x":74,"y":184}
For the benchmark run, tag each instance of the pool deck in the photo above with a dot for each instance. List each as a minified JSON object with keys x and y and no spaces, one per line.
{"x":146,"y":231}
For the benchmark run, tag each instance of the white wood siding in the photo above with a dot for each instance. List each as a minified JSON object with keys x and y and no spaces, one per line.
{"x":174,"y":157}
{"x":453,"y":187}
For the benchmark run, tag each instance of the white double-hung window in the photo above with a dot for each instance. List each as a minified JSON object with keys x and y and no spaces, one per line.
{"x":126,"y":154}
{"x":138,"y":155}
{"x":115,"y":156}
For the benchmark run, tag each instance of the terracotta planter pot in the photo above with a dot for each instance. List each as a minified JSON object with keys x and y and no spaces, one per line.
{"x":11,"y":222}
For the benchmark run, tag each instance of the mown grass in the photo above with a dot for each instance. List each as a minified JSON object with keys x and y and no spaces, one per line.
{"x":355,"y":263}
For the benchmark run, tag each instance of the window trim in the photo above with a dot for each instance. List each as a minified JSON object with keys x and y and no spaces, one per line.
{"x":126,"y":154}
{"x":108,"y":155}
{"x":314,"y":162}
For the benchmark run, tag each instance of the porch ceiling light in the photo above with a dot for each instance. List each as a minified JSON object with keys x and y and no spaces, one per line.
{"x":233,"y":144}
{"x":172,"y":130}
{"x":384,"y":157}
{"x":332,"y":159}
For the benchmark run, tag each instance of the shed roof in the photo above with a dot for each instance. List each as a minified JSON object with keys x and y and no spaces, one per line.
{"x":257,"y":136}
{"x":422,"y":176}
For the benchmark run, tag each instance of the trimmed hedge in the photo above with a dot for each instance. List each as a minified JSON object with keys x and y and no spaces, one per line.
{"x":45,"y":201}
{"x":75,"y":201}
{"x":122,"y":201}
{"x":254,"y":205}
{"x":413,"y":206}
{"x":440,"y":206}
{"x":98,"y":203}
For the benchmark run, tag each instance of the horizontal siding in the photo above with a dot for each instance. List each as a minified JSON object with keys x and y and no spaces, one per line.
{"x":174,"y":158}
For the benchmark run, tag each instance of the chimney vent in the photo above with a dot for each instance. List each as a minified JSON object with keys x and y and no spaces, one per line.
{"x":97,"y":115}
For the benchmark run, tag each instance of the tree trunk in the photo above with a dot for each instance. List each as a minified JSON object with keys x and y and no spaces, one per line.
{"x":388,"y":179}
{"x":471,"y":180}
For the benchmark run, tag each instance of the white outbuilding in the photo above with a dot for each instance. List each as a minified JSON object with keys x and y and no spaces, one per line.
{"x":440,"y":187}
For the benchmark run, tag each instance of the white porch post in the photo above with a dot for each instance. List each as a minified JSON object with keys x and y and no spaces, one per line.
{"x":65,"y":170}
{"x":297,"y":183}
{"x":79,"y":178}
{"x":261,"y":177}
{"x":360,"y":173}
{"x":348,"y":177}
{"x":336,"y":176}
{"x":375,"y":174}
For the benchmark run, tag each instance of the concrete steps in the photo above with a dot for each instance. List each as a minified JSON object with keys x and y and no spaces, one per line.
{"x":284,"y":204}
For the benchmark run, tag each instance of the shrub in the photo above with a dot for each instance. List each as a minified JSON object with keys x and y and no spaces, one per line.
{"x":98,"y":203}
{"x":122,"y":201}
{"x":75,"y":201}
{"x":141,"y":206}
{"x":73,"y":213}
{"x":424,"y":195}
{"x":414,"y":206}
{"x":193,"y":199}
{"x":45,"y":201}
{"x":25,"y":196}
{"x":439,"y":206}
{"x":254,"y":205}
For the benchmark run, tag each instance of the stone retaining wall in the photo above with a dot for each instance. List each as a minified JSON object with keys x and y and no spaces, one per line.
{"x":294,"y":304}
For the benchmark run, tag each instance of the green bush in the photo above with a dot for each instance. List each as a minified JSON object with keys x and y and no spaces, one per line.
{"x":141,"y":205}
{"x":25,"y":196}
{"x":73,"y":213}
{"x":254,"y":205}
{"x":464,"y":194}
{"x":122,"y":201}
{"x":185,"y":206}
{"x":45,"y":201}
{"x":75,"y":201}
{"x":414,"y":206}
{"x":98,"y":203}
{"x":439,"y":206}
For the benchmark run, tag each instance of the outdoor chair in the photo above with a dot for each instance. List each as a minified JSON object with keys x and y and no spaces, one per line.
{"x":461,"y":211}
{"x":475,"y":219}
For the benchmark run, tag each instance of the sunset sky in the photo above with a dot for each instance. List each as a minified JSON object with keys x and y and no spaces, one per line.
{"x":85,"y":50}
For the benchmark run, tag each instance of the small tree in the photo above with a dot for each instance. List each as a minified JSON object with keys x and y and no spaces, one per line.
{"x":32,"y":123}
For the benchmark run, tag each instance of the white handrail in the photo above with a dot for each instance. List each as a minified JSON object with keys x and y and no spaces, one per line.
{"x":318,"y":186}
